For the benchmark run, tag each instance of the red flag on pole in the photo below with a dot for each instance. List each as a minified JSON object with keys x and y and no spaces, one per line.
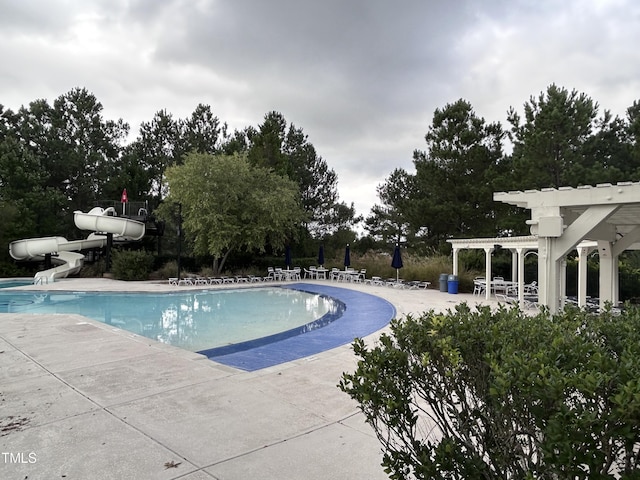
{"x":124,"y":198}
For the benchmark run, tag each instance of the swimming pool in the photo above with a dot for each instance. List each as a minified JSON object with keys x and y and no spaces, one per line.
{"x":358,"y":315}
{"x":15,"y":282}
{"x":195,"y":321}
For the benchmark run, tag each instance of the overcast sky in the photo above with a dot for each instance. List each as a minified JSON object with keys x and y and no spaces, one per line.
{"x":362,"y":78}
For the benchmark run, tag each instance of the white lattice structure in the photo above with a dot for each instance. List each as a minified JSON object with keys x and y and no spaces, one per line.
{"x":562,"y":218}
{"x":605,"y":217}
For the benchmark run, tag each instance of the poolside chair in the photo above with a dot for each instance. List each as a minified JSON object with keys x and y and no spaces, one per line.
{"x":271,"y":274}
{"x":334,"y":274}
{"x":278,"y":274}
{"x":395,"y":283}
{"x":296,"y":273}
{"x":531,"y":288}
{"x":479,"y":285}
{"x":503,"y":297}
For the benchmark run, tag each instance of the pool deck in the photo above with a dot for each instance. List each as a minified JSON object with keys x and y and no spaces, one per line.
{"x":83,"y":400}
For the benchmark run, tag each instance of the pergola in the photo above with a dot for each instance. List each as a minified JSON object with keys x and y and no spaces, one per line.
{"x":605,"y":217}
{"x":519,"y":248}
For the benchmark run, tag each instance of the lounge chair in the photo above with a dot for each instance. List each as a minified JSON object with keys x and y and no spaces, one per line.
{"x":531,"y":288}
{"x":395,"y":283}
{"x":415,"y":284}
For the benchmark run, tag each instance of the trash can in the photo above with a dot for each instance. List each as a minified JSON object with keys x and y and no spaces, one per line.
{"x":452,"y":283}
{"x":443,"y":282}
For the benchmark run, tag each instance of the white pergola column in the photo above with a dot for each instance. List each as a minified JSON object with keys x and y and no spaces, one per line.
{"x":487,"y":271}
{"x":455,"y":261}
{"x":583,"y":257}
{"x":563,"y":282}
{"x":518,"y":260}
{"x":607,"y":272}
{"x":548,"y":274}
{"x":616,"y":281}
{"x":617,"y":248}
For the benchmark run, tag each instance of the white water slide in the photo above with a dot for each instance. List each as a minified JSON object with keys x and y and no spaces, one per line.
{"x":65,"y":252}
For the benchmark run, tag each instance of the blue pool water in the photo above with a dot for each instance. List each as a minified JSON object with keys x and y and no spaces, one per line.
{"x":14,"y":283}
{"x":197,"y":321}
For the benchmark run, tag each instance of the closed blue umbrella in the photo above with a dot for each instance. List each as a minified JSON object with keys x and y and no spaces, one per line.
{"x":321,"y":256}
{"x":287,"y":256}
{"x":347,"y":257}
{"x":396,"y":262}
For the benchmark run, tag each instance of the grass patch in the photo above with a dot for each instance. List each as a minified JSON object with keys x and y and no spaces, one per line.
{"x":415,"y":267}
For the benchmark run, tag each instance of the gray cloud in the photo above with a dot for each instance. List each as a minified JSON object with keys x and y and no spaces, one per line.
{"x":362,"y":78}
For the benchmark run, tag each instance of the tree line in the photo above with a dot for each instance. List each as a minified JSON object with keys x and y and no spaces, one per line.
{"x":65,"y":156}
{"x":560,"y":139}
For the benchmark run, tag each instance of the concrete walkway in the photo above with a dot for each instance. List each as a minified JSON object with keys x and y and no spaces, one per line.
{"x":83,"y":400}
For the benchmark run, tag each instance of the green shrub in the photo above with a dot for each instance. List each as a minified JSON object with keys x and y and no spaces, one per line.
{"x":131,"y":264}
{"x":416,"y":267}
{"x":168,"y":270}
{"x":10,"y":269}
{"x":95,"y":269}
{"x":501,"y":395}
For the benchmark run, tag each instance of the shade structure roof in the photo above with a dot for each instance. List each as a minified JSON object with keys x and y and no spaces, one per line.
{"x":529,"y":242}
{"x":622,"y":202}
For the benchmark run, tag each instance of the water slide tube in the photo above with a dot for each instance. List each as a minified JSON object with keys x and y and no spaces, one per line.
{"x":98,"y":220}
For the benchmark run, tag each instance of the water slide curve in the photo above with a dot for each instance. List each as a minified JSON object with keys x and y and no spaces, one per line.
{"x":64,"y":252}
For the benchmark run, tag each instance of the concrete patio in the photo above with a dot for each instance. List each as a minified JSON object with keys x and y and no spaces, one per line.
{"x":83,"y":400}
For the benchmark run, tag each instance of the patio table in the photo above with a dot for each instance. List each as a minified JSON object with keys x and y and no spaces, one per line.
{"x":498,"y":286}
{"x":348,"y":275}
{"x":321,"y":272}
